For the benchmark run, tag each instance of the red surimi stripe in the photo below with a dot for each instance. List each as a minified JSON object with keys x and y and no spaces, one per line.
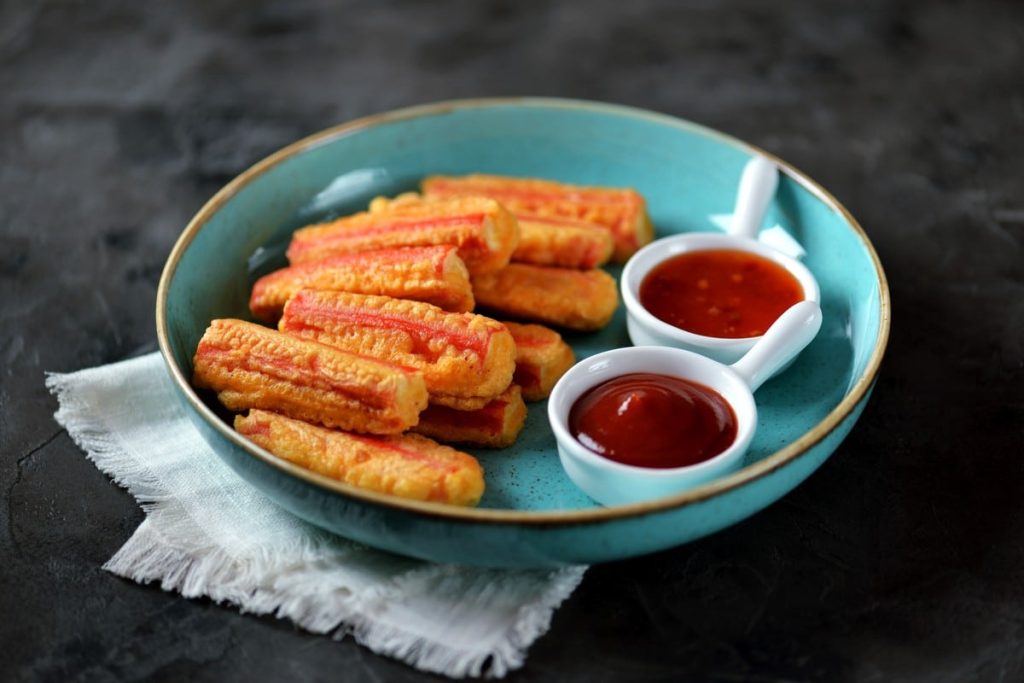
{"x":229,"y":358}
{"x":468,"y":220}
{"x":301,"y":303}
{"x":255,"y":426}
{"x":308,"y":377}
{"x":436,"y":254}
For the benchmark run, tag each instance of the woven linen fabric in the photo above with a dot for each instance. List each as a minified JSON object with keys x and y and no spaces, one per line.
{"x":208,"y":533}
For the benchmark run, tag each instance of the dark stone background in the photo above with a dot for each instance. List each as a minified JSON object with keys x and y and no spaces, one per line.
{"x":901,"y":559}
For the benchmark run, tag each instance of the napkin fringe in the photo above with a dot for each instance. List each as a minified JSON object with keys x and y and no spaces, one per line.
{"x":507,"y":654}
{"x":211,"y":572}
{"x":185,"y":563}
{"x":296,"y":578}
{"x":535,"y":621}
{"x":88,"y":430}
{"x":432,"y":656}
{"x":146,"y":557}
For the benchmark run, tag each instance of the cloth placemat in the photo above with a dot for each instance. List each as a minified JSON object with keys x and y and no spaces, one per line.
{"x":208,"y":533}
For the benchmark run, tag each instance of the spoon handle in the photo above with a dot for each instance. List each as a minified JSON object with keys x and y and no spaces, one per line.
{"x":757,"y":187}
{"x":780,"y":344}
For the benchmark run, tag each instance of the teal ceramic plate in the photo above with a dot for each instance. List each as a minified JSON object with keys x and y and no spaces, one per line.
{"x":532,"y":515}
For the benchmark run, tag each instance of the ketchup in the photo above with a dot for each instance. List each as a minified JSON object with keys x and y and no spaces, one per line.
{"x":719,"y":292}
{"x":656,"y":421}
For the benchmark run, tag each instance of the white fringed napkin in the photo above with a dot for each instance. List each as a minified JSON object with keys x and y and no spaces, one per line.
{"x":208,"y":533}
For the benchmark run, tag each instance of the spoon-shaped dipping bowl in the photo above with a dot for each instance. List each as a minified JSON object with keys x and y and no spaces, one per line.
{"x":756,"y":189}
{"x":614,"y":483}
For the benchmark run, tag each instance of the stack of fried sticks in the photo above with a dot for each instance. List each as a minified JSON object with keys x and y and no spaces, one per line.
{"x":377,"y":347}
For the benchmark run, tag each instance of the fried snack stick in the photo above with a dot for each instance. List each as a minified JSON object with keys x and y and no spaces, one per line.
{"x":460,"y":402}
{"x":542,"y":356}
{"x":577,"y":299}
{"x":484,"y":232}
{"x":543,"y":240}
{"x":549,"y":241}
{"x":405,"y":465}
{"x":495,"y":425}
{"x":250,"y":366}
{"x":623,"y":211}
{"x":459,"y":354}
{"x":433,"y":274}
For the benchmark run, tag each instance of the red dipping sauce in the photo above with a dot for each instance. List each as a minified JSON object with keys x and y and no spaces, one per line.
{"x":656,"y":421}
{"x":720,"y":292}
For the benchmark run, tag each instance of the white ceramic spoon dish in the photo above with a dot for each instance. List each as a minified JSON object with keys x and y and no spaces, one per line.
{"x":613,"y":483}
{"x":756,"y":189}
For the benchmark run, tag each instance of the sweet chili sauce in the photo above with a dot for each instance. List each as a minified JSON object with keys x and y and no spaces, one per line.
{"x":651,"y":420}
{"x":719,"y":292}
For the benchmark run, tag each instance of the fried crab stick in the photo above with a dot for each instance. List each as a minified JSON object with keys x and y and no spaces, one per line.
{"x":484,"y":232}
{"x":564,"y":242}
{"x":495,"y":425}
{"x":459,"y":354}
{"x":542,"y":356}
{"x":577,"y":299}
{"x":406,"y":465}
{"x":433,"y":274}
{"x":623,"y":211}
{"x":250,"y":366}
{"x":545,"y":241}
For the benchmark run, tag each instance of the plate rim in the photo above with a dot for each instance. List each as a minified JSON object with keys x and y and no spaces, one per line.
{"x":801,"y":446}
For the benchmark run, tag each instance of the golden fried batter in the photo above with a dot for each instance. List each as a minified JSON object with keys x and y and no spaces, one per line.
{"x":484,"y":232}
{"x":406,"y":465}
{"x":542,"y":357}
{"x":459,"y":354}
{"x":562,"y":242}
{"x":460,"y":402}
{"x":495,"y":425}
{"x":433,"y":274}
{"x":250,"y":366}
{"x":576,"y":299}
{"x":623,"y":211}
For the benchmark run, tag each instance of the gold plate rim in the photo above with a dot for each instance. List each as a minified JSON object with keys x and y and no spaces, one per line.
{"x":737,"y":479}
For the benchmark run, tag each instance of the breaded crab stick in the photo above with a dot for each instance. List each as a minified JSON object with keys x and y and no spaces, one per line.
{"x":459,"y":354}
{"x":434,"y":274}
{"x":484,"y":232}
{"x":543,"y":240}
{"x":577,"y":299}
{"x":250,"y":366}
{"x":623,"y":211}
{"x":542,"y":356}
{"x":406,"y":465}
{"x":495,"y":425}
{"x":564,"y":242}
{"x":460,"y":402}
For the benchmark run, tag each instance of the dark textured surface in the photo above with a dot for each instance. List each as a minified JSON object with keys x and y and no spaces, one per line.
{"x":901,"y":559}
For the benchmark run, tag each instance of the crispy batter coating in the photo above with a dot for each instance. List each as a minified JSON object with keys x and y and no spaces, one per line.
{"x":495,"y":425}
{"x":542,"y":357}
{"x":433,"y":274}
{"x":405,"y":465}
{"x":460,"y":402}
{"x":621,"y":210}
{"x":485,"y":233}
{"x":250,"y":366}
{"x":576,"y":299}
{"x":548,"y":241}
{"x":459,"y":354}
